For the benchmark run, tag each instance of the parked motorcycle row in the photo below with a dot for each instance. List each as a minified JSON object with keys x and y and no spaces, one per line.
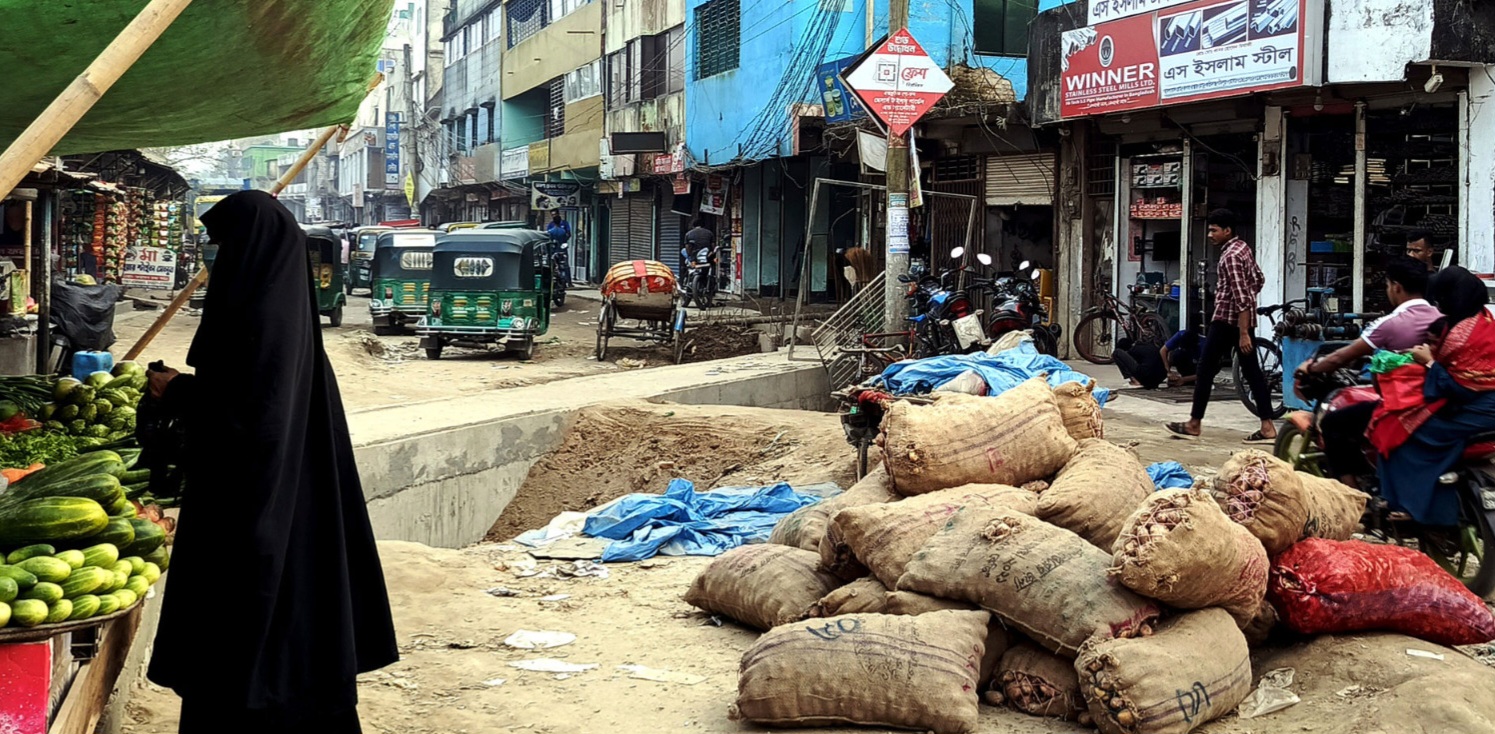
{"x":943,"y":318}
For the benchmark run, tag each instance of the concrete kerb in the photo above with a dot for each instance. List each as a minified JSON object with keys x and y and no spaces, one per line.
{"x":441,"y":472}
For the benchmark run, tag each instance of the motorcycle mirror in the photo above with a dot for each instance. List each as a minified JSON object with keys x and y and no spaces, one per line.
{"x":957,"y":253}
{"x":1024,"y":265}
{"x":983,"y":258}
{"x":1036,"y":273}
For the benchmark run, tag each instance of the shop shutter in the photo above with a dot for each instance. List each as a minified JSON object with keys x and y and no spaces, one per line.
{"x":640,"y":227}
{"x":671,"y":236}
{"x":618,"y":232}
{"x":1020,"y":179}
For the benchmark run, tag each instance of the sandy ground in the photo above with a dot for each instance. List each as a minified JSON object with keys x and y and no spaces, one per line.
{"x":377,"y":371}
{"x":454,"y":608}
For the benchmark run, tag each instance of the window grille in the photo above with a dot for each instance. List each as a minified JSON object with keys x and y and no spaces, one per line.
{"x":555,"y":115}
{"x":1100,"y":167}
{"x":718,"y":37}
{"x":526,"y":18}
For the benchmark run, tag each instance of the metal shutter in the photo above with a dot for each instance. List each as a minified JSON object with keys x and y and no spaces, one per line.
{"x":618,"y":233}
{"x":640,"y":227}
{"x":671,"y":237}
{"x":1020,"y":179}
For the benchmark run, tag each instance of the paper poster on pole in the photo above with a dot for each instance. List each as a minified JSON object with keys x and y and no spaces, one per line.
{"x":150,"y":268}
{"x":916,"y":175}
{"x":897,"y":224}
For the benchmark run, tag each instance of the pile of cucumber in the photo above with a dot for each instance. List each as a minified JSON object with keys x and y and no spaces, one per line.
{"x":71,"y":537}
{"x":101,"y":408}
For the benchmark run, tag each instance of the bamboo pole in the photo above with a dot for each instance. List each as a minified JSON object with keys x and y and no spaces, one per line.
{"x":80,"y":96}
{"x":202,"y":274}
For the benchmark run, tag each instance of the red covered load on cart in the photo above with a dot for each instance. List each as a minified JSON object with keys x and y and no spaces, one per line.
{"x":641,"y":291}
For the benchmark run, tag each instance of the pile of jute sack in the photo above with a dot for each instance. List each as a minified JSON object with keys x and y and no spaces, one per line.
{"x":1005,"y":552}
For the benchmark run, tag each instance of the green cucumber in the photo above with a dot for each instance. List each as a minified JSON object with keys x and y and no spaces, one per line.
{"x":84,"y":607}
{"x":118,"y":532}
{"x":160,"y":556}
{"x":73,"y":558}
{"x":148,"y":537}
{"x":47,"y":569}
{"x":85,"y":580}
{"x":45,"y":591}
{"x":135,"y":477}
{"x":28,"y":612}
{"x":9,"y":590}
{"x":103,"y":555}
{"x":23,"y":578}
{"x":138,"y":586}
{"x":30,"y":551}
{"x":108,"y":604}
{"x":126,"y":598}
{"x":152,"y":572}
{"x":50,"y":519}
{"x":83,"y":465}
{"x":59,"y":611}
{"x":137,"y":564}
{"x":4,"y":614}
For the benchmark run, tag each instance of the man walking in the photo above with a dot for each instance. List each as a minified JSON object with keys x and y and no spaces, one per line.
{"x":1231,"y":328}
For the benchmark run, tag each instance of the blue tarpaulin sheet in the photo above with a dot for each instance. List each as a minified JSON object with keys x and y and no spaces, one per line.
{"x":1002,"y":372}
{"x":684,"y":522}
{"x":1170,"y":475}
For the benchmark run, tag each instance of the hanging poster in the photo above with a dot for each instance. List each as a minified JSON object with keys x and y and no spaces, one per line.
{"x":1189,"y":52}
{"x":547,"y":195}
{"x":714,"y":200}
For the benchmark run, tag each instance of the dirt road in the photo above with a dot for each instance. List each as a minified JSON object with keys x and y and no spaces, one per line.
{"x":377,"y":371}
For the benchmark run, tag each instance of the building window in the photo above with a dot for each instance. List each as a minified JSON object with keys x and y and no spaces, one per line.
{"x":555,"y":114}
{"x":623,"y":68}
{"x":562,"y":8}
{"x":1002,"y":26}
{"x":663,"y":68}
{"x":718,"y":37}
{"x":494,"y":25}
{"x":526,"y":18}
{"x":584,"y":82}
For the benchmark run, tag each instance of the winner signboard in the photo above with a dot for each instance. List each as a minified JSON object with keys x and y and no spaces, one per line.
{"x":1189,"y":52}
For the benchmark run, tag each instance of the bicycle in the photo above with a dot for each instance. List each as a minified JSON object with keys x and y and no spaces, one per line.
{"x":1096,"y":334}
{"x":1269,"y":356}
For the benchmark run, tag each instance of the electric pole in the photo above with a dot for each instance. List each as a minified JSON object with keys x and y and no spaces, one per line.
{"x":895,"y":307}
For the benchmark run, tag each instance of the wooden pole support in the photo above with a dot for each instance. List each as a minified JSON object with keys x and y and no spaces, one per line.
{"x":79,"y":97}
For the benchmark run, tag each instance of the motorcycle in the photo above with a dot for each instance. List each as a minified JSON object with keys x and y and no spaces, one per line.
{"x":1019,"y":308}
{"x":561,"y":268}
{"x":700,"y":280}
{"x":942,"y":319}
{"x":1300,"y":442}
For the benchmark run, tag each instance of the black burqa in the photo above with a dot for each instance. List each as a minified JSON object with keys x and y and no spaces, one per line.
{"x":276,"y":599}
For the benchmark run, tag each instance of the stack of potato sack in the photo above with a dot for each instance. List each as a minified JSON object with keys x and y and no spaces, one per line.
{"x":1003,"y":552}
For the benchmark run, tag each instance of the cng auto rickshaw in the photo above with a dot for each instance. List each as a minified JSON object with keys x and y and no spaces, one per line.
{"x":400,"y":278}
{"x":325,"y":251}
{"x":488,"y":287}
{"x":455,"y":226}
{"x":361,"y":242}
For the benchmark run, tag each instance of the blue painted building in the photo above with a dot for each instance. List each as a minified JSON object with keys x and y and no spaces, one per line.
{"x":755,"y":115}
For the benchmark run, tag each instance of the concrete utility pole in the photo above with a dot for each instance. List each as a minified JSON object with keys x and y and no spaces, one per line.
{"x":895,"y":307}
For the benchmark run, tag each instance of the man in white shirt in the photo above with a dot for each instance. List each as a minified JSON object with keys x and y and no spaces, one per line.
{"x":1405,"y":327}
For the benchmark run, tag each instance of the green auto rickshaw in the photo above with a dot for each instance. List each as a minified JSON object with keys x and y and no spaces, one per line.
{"x":488,"y":287}
{"x":400,"y":279}
{"x":361,"y":243}
{"x":325,"y":249}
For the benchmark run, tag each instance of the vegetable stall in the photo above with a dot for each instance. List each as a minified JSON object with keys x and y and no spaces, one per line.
{"x":82,"y":539}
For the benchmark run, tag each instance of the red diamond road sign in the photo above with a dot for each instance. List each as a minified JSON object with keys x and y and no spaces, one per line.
{"x":899,"y":82}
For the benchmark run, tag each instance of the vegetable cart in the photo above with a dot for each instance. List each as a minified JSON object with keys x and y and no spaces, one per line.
{"x":643,"y":292}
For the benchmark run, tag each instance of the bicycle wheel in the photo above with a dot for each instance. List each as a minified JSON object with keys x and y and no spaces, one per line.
{"x":1151,"y":329}
{"x":1095,"y":337}
{"x":1269,"y":356}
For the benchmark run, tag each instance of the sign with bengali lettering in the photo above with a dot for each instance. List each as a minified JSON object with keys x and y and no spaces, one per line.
{"x":1190,"y":52}
{"x":898,"y":82}
{"x":150,"y":268}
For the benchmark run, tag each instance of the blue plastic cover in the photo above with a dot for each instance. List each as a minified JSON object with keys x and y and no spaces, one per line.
{"x":1002,"y":372}
{"x":1170,"y":475}
{"x":684,"y":522}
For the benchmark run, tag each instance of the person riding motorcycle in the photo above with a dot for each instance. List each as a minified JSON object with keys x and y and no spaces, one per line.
{"x":1405,"y":327}
{"x":699,"y":238}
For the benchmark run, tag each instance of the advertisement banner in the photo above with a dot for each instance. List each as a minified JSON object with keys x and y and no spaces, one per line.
{"x":1102,"y":11}
{"x":715,"y":199}
{"x":514,"y":163}
{"x":392,"y":149}
{"x":1200,"y":50}
{"x":151,"y":268}
{"x":547,"y":195}
{"x":840,"y":104}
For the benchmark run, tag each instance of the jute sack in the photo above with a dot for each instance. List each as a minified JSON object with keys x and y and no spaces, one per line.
{"x":884,"y":536}
{"x":866,"y":669}
{"x":1008,"y":439}
{"x":1264,"y":494}
{"x":1181,"y":549}
{"x":1334,"y":509}
{"x":1195,"y":669}
{"x":804,"y":527}
{"x":1044,"y":580}
{"x":863,"y":596}
{"x":1095,"y":491}
{"x":761,"y":586}
{"x":1080,"y":410}
{"x":998,"y":639}
{"x":1039,"y":683}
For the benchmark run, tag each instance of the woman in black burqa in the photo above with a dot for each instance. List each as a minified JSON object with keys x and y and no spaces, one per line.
{"x":276,"y":599}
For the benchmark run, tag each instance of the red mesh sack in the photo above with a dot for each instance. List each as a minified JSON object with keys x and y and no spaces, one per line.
{"x":1322,"y":586}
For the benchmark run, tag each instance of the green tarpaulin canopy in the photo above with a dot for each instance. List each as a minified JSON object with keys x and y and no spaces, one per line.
{"x":225,"y":69}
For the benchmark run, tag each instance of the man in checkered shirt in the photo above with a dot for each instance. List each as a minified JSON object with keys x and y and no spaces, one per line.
{"x":1231,"y":329}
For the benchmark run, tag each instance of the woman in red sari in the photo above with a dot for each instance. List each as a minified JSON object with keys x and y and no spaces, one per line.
{"x":1420,"y":443}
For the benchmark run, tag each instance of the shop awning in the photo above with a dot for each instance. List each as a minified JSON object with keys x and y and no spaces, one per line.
{"x":225,"y":69}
